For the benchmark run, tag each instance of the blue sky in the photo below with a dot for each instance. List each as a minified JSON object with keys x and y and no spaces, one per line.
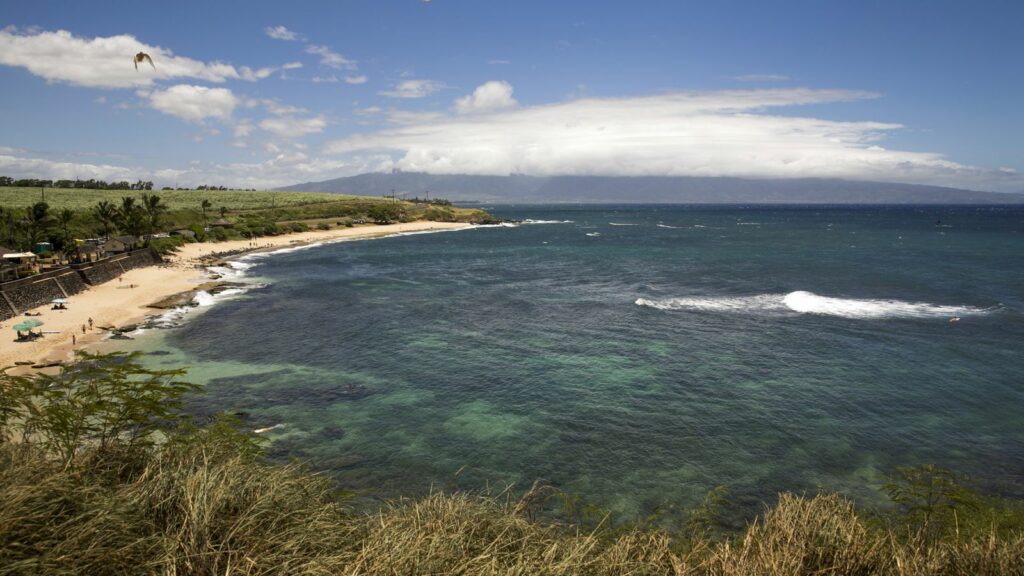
{"x":261,"y":95}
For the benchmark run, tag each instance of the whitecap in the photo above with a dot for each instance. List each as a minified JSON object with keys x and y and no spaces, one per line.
{"x":619,"y":224}
{"x":811,"y":303}
{"x":765,"y":302}
{"x":803,"y":302}
{"x":532,"y":221}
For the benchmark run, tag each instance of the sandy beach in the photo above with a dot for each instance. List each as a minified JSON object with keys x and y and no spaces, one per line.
{"x":125,"y":300}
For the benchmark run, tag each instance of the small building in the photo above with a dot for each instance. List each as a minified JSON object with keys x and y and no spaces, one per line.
{"x":113,"y":246}
{"x":88,"y":253}
{"x":130,"y":242}
{"x":24,"y":263}
{"x":8,"y":268}
{"x":8,"y":271}
{"x":184,"y":233}
{"x":221,"y":223}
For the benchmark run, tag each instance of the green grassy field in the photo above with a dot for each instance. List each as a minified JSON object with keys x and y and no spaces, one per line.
{"x":85,"y":199}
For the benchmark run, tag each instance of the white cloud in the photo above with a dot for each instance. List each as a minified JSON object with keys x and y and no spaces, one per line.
{"x":331,"y":59}
{"x":246,"y":73}
{"x":724,"y":133}
{"x":21,"y":167}
{"x":194,"y":103}
{"x":761,"y":78}
{"x":355,"y":79}
{"x":104,"y":62}
{"x":332,"y":79}
{"x":278,"y":109}
{"x":488,"y":97}
{"x":292,"y":127}
{"x":243,"y":129}
{"x":281,"y":169}
{"x":413,"y":89}
{"x":291,"y":65}
{"x":281,"y":33}
{"x":498,"y":62}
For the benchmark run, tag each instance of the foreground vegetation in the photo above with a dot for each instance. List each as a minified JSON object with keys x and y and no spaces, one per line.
{"x":101,"y":474}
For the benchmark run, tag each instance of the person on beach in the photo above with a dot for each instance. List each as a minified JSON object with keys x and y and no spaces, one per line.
{"x":83,"y":328}
{"x":73,"y":340}
{"x":90,"y":322}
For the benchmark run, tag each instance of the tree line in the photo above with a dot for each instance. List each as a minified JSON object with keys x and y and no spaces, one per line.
{"x":94,"y":184}
{"x":77,"y":183}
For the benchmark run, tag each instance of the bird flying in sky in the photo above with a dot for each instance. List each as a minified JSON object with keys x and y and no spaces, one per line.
{"x":143,"y":57}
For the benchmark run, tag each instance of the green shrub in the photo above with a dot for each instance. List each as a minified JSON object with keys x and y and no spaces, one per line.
{"x":167,"y":245}
{"x":323,"y":226}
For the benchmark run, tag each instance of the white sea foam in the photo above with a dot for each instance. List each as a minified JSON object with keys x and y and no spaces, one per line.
{"x":593,"y":234}
{"x":237,"y":269}
{"x":532,"y":221}
{"x":803,"y":302}
{"x":766,"y":302}
{"x":619,"y":224}
{"x":500,"y":225}
{"x":667,"y":226}
{"x":810,"y":303}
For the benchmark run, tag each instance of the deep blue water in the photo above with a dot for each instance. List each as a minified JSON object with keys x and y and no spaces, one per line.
{"x":640,"y":363}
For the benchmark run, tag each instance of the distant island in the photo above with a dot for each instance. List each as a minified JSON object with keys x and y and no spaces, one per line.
{"x":649,"y":190}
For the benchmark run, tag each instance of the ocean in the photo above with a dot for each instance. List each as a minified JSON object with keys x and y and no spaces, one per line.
{"x":633,"y":356}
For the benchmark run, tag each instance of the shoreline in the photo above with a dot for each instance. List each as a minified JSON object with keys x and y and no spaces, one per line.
{"x":126,"y":300}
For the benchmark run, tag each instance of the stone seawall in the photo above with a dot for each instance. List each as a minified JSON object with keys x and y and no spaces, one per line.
{"x":18,"y":296}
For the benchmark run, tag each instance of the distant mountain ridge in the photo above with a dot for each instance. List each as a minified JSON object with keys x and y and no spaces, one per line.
{"x":650,"y":189}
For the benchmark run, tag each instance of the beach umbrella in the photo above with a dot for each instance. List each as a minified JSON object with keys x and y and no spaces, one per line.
{"x":28,"y":325}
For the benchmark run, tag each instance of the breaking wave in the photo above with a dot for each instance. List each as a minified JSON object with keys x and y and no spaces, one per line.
{"x":803,"y":302}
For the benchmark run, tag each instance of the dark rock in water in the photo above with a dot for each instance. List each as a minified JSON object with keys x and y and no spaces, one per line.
{"x":159,"y":353}
{"x":128,"y":328}
{"x":120,"y":336}
{"x":222,"y":286}
{"x":174,"y":301}
{"x":340,"y":462}
{"x":332,"y":432}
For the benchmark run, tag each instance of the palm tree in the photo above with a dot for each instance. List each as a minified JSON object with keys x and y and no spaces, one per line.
{"x":106,"y":214}
{"x":205,"y":204}
{"x":154,"y":209}
{"x":64,"y":219}
{"x":37,"y":220}
{"x":223,"y":211}
{"x":131,"y":217}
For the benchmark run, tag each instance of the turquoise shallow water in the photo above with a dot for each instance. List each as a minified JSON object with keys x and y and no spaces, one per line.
{"x":635,"y":355}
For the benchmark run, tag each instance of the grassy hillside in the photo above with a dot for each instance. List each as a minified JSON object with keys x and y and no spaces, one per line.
{"x":84,"y":198}
{"x":253,"y":213}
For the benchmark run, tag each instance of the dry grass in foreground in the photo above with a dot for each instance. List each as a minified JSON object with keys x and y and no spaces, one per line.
{"x":84,"y":489}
